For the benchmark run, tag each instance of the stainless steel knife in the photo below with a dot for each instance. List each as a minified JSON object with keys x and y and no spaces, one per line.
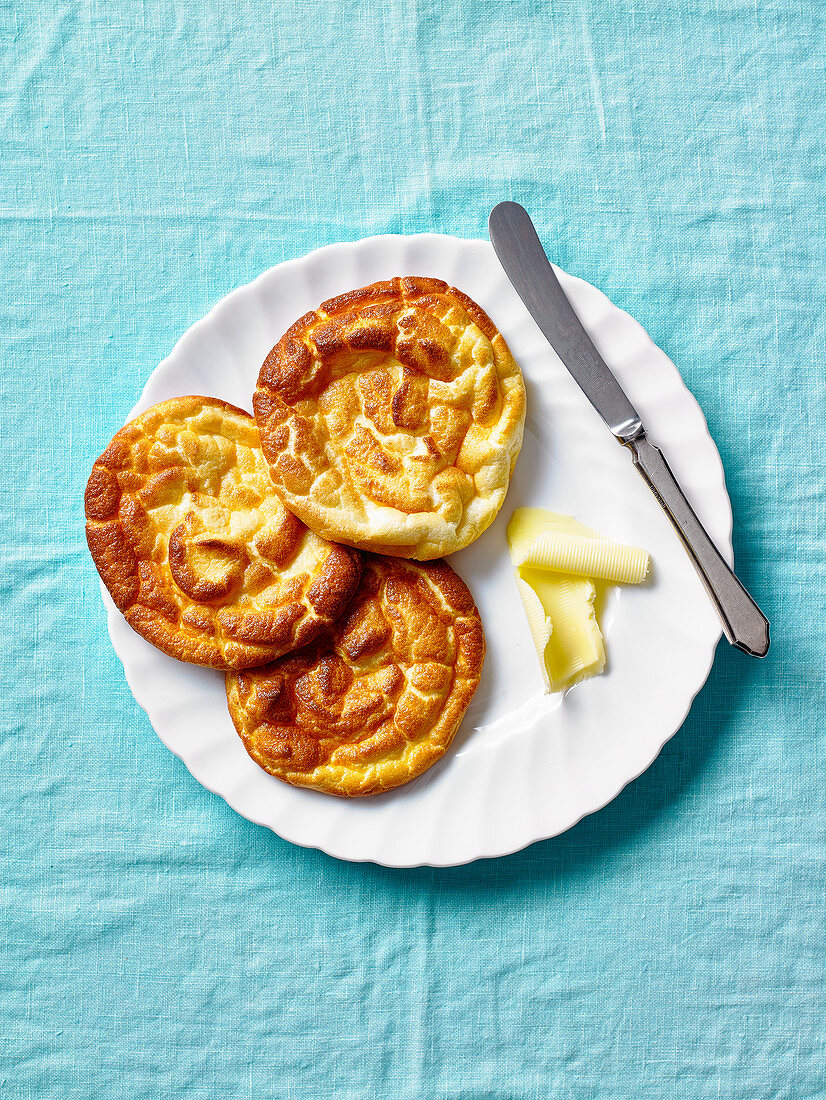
{"x":528,"y":268}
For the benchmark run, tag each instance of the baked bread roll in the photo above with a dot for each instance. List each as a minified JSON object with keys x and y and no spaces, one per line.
{"x":392,"y":418}
{"x":197,"y":550}
{"x":376,"y":699}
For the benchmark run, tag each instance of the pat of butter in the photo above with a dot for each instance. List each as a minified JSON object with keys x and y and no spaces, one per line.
{"x":583,"y":555}
{"x":556,"y":560}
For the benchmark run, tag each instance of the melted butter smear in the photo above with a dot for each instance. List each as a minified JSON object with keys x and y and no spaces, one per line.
{"x":557,"y":561}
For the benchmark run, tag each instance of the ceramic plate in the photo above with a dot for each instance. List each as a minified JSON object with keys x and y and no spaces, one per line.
{"x":524,"y":766}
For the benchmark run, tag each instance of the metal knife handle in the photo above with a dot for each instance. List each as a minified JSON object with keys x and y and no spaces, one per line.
{"x":744,"y":624}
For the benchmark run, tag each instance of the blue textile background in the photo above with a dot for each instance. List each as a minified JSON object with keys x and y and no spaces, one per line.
{"x":154,"y":156}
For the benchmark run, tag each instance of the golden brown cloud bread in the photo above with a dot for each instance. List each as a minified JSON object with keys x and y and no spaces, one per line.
{"x":197,"y":550}
{"x":377,"y":698}
{"x":392,"y":418}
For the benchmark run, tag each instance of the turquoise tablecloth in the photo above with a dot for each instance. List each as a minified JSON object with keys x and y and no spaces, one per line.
{"x":154,"y":156}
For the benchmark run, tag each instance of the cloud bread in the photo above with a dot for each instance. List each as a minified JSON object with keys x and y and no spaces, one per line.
{"x":377,"y":698}
{"x":392,"y":418}
{"x":197,"y":550}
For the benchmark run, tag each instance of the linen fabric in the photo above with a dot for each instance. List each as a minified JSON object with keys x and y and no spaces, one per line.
{"x":155,"y":156}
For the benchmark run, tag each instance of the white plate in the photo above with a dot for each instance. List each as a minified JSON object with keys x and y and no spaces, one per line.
{"x":524,"y":766}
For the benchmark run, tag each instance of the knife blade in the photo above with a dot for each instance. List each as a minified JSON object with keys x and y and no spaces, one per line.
{"x":521,"y":254}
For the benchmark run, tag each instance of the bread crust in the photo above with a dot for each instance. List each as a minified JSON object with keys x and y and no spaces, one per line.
{"x":375,"y":700}
{"x":197,"y":550}
{"x":392,"y":418}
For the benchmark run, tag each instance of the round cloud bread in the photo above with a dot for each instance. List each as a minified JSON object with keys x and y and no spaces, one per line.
{"x":392,"y":418}
{"x":197,"y":550}
{"x":376,"y":699}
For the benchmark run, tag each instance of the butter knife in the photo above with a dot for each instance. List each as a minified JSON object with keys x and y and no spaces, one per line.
{"x":528,"y":268}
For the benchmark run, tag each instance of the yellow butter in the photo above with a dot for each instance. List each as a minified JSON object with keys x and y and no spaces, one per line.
{"x":566,"y":636}
{"x":556,"y":560}
{"x":539,"y":623}
{"x":575,"y":649}
{"x":585,"y":556}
